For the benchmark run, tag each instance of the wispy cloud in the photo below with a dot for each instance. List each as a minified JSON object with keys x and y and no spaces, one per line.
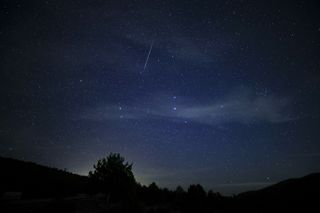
{"x":241,"y":110}
{"x":238,"y":107}
{"x":113,"y":112}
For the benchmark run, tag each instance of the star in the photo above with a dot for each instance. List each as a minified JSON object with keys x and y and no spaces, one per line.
{"x":214,"y":93}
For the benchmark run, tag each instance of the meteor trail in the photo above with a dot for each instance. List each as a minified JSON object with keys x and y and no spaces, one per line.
{"x":146,"y":63}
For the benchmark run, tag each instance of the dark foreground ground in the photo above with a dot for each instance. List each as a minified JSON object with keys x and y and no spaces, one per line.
{"x":98,"y":204}
{"x":28,"y":187}
{"x":94,"y":204}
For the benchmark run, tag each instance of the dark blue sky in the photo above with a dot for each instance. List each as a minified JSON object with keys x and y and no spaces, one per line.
{"x":221,"y":93}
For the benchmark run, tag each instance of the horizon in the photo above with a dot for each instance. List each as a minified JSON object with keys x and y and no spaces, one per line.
{"x":252,"y":185}
{"x":220,"y":93}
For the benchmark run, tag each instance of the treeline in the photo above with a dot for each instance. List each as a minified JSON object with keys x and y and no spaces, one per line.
{"x":194,"y":199}
{"x":113,"y":178}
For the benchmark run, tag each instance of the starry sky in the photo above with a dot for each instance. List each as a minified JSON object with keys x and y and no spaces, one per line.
{"x":221,"y":93}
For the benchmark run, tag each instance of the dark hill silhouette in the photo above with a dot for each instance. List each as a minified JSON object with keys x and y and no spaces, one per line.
{"x":295,"y":187}
{"x":292,"y":194}
{"x":35,"y":181}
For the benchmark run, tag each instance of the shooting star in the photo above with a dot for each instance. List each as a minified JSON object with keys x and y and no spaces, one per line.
{"x":146,"y":62}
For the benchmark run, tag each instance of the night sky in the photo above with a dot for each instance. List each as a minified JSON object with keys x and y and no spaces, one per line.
{"x":221,"y":93}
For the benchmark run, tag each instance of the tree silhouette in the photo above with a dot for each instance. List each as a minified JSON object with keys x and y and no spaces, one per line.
{"x":116,"y":176}
{"x":196,"y":198}
{"x":180,"y":190}
{"x":196,"y":192}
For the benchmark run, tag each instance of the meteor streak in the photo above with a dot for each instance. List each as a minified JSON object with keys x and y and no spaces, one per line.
{"x":146,"y":62}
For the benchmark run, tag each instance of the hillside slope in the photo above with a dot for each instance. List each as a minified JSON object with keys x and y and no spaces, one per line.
{"x":39,"y":181}
{"x":298,"y":194}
